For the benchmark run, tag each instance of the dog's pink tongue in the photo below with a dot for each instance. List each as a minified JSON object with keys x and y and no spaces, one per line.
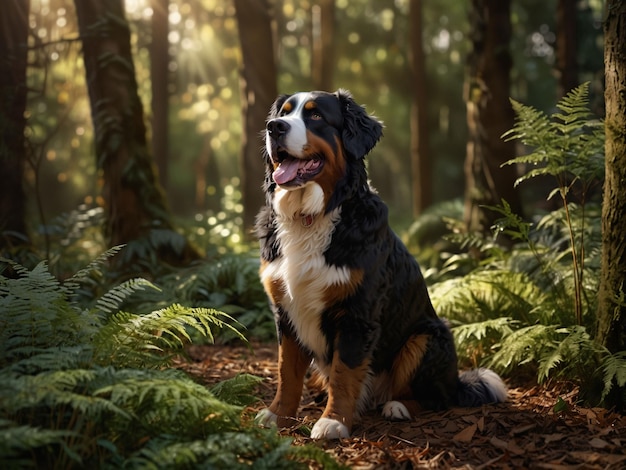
{"x":286,"y":171}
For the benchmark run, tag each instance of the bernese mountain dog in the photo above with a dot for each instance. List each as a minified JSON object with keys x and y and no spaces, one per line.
{"x":347,"y":295}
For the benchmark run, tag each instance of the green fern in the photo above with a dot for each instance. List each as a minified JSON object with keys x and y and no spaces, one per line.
{"x":566,"y":143}
{"x":88,"y":386}
{"x":614,"y":371}
{"x":534,"y":306}
{"x":236,"y":391}
{"x":570,"y":147}
{"x":131,"y":340}
{"x":230,"y":284}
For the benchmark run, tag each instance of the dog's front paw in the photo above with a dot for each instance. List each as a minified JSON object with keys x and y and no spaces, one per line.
{"x":266,"y":418}
{"x":396,"y":411}
{"x":328,"y":428}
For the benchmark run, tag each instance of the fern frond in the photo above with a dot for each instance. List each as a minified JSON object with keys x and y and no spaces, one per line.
{"x":238,"y":390}
{"x":17,"y":440}
{"x":480,"y":330}
{"x":531,"y":125}
{"x":167,"y":402}
{"x":112,"y":301}
{"x":614,"y":369}
{"x":146,"y":340}
{"x":48,"y":359}
{"x":56,"y":389}
{"x":521,"y":347}
{"x":37,"y":314}
{"x":569,"y":142}
{"x":567,"y":350}
{"x":486,"y":294}
{"x":83,"y":274}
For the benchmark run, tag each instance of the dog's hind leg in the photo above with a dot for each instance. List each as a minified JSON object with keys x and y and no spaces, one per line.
{"x":293,"y":363}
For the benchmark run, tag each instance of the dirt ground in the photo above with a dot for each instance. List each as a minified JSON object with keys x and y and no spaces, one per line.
{"x":525,"y":432}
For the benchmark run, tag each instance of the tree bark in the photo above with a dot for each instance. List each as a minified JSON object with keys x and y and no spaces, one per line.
{"x":322,"y":56}
{"x":566,"y":46}
{"x":421,"y":168}
{"x":159,"y":75}
{"x":611,"y":313}
{"x":258,"y":92}
{"x":13,"y":94}
{"x":134,"y":203}
{"x":489,"y":115}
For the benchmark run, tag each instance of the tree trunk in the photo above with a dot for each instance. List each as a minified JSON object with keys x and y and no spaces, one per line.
{"x":611,"y":313}
{"x":135,"y":207}
{"x":322,"y":56}
{"x":258,"y":92}
{"x":566,"y":46}
{"x":421,"y":168}
{"x":489,"y":115}
{"x":13,"y":61}
{"x":159,"y":75}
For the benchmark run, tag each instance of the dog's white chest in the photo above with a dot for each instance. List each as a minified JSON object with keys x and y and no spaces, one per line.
{"x":305,"y":275}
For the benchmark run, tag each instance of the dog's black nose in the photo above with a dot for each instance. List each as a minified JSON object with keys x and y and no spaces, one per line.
{"x":277,"y":128}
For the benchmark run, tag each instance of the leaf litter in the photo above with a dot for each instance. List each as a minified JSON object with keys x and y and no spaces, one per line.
{"x":540,"y":426}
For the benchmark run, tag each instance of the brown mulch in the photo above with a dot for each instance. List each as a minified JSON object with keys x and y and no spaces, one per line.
{"x":525,"y":432}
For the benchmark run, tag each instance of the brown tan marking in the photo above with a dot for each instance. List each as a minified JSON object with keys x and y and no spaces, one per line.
{"x":292,"y":366}
{"x":274,"y":288}
{"x":287,"y":107}
{"x":334,"y":164}
{"x":310,"y":105}
{"x":338,"y":292}
{"x":406,"y":363}
{"x":344,"y":389}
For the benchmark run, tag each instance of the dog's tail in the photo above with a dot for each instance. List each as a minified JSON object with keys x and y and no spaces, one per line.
{"x":479,"y":387}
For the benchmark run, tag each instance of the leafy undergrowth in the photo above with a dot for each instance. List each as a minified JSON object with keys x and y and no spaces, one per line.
{"x":539,"y":426}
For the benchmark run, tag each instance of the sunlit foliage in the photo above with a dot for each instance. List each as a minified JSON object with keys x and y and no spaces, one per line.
{"x":205,"y":116}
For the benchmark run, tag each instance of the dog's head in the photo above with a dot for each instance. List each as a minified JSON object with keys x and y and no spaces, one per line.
{"x":319,"y":138}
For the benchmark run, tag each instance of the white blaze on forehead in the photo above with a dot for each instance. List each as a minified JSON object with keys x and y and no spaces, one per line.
{"x":295,"y":141}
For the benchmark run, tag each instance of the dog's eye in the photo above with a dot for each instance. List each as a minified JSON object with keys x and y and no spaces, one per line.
{"x":316,"y":116}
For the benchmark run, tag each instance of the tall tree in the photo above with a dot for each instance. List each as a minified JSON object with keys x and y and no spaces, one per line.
{"x":13,"y":61}
{"x":134,"y":203}
{"x":611,"y":310}
{"x":322,"y":56}
{"x":566,"y":46}
{"x":258,"y":92}
{"x":489,"y":115}
{"x":421,"y":168}
{"x":159,"y":76}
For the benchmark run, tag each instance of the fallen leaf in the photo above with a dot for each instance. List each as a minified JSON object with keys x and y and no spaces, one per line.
{"x":466,"y":434}
{"x":499,"y":443}
{"x":523,"y":429}
{"x":553,"y":437}
{"x":481,"y":424}
{"x":514,"y":448}
{"x":598,"y":443}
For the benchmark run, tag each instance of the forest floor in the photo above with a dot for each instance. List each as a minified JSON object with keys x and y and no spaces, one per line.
{"x":524,"y":432}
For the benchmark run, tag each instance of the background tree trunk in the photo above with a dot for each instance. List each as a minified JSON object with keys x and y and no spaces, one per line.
{"x":566,"y":46}
{"x":323,"y":57}
{"x":13,"y":60}
{"x":134,"y":202}
{"x":489,"y":115}
{"x":159,"y":75}
{"x":612,"y":314}
{"x":421,"y":168}
{"x":258,"y":92}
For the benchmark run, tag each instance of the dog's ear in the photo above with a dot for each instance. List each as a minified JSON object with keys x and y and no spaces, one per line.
{"x":361,"y":131}
{"x":276,"y":105}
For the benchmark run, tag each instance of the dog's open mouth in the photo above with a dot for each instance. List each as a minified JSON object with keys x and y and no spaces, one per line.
{"x":295,"y":171}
